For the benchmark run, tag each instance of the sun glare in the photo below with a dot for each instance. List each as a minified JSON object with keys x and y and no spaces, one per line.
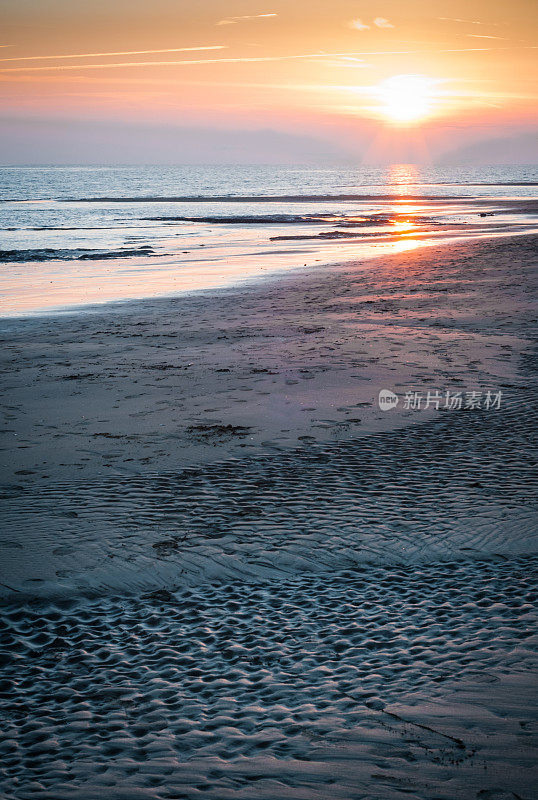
{"x":406,"y":98}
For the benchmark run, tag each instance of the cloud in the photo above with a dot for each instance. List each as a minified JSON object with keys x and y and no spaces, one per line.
{"x":258,"y":59}
{"x":381,"y":22}
{"x":231,"y":60}
{"x":119,"y":53}
{"x":519,"y":148}
{"x":234,"y":20}
{"x":25,"y":141}
{"x":467,"y":21}
{"x":358,"y":25}
{"x":484,"y":36}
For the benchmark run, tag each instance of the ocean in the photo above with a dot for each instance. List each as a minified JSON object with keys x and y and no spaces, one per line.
{"x":73,"y":237}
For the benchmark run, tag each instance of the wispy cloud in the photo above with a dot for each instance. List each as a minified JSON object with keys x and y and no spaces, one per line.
{"x":358,"y":25}
{"x":381,"y":22}
{"x":195,"y":62}
{"x":467,"y":21}
{"x":234,"y":20}
{"x":259,"y":59}
{"x":118,"y":53}
{"x":484,"y":36}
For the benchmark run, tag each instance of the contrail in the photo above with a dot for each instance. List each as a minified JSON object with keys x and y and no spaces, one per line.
{"x":257,"y":59}
{"x":120,"y":53}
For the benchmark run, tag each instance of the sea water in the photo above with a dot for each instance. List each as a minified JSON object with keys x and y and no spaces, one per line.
{"x":75,"y":236}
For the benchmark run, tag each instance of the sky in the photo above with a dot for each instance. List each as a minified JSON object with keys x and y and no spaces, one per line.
{"x":257,"y":81}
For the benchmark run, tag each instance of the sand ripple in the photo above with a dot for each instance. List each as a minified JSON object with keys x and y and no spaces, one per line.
{"x":258,"y":690}
{"x":458,"y":486}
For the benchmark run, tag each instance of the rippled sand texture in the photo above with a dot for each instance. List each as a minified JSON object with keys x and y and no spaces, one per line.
{"x":338,"y":685}
{"x":226,"y":574}
{"x":459,"y":486}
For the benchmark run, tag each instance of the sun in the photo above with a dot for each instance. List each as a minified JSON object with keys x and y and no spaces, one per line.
{"x":406,"y":98}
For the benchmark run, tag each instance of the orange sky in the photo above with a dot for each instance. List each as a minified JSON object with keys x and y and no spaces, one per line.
{"x":331,"y":69}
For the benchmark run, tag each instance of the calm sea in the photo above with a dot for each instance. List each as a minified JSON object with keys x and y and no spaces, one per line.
{"x":76,"y":236}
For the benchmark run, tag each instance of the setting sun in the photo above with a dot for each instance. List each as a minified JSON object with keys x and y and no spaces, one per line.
{"x":406,"y":98}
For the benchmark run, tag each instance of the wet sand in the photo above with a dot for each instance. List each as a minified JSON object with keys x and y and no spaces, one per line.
{"x":169,"y":254}
{"x":227,"y":573}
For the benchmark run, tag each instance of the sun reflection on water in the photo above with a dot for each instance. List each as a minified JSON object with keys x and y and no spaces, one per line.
{"x":402,"y":180}
{"x":403,"y":226}
{"x":402,"y":177}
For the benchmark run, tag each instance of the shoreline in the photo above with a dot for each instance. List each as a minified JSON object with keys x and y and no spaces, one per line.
{"x":108,"y":281}
{"x":253,"y":281}
{"x":382,"y":308}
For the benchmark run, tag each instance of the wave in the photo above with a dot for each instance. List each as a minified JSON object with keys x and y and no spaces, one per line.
{"x":336,"y":220}
{"x":68,"y":228}
{"x":474,"y":183}
{"x":284,"y":198}
{"x":308,"y":198}
{"x":292,"y":219}
{"x":54,"y":254}
{"x":259,"y":219}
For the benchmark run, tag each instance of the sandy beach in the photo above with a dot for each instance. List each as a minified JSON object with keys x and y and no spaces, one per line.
{"x":227,"y":573}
